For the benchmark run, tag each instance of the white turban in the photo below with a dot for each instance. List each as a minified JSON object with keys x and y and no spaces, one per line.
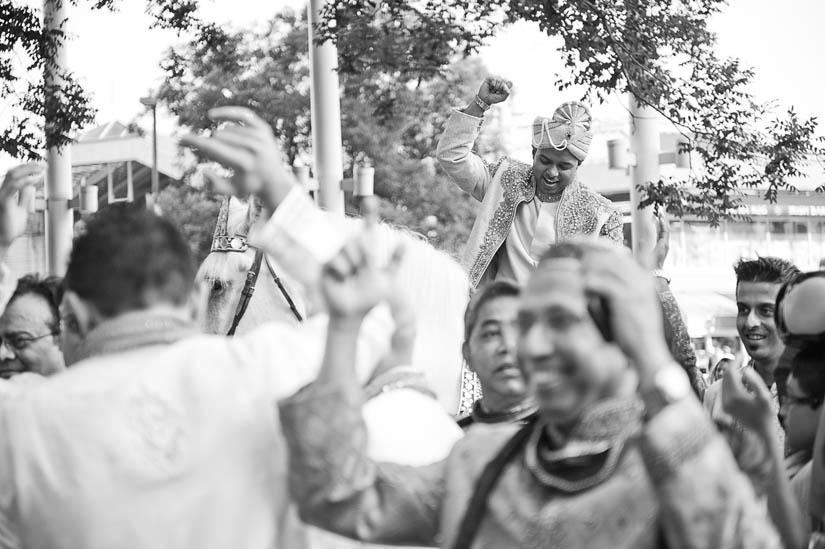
{"x":569,"y":128}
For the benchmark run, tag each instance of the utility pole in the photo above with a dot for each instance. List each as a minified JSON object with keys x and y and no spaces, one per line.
{"x":326,"y":117}
{"x":644,"y":144}
{"x":59,"y":214}
{"x":152,"y":103}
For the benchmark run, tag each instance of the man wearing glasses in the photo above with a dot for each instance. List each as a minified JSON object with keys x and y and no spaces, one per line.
{"x":30,"y":329}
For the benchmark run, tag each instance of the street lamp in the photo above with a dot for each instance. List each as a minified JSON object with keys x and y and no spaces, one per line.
{"x":152,"y":103}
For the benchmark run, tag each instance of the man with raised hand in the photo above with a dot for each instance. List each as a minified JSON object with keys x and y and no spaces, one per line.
{"x":621,"y":455}
{"x":524,"y":207}
{"x":757,"y":284}
{"x":17,"y":194}
{"x":159,"y":436}
{"x":16,"y":198}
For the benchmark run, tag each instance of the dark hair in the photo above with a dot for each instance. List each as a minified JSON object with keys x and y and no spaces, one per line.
{"x":764,"y":269}
{"x":49,"y":288}
{"x":128,"y":259}
{"x":808,"y":367}
{"x":485,"y":294}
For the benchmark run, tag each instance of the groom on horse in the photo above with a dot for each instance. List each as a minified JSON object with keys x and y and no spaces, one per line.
{"x":524,"y":208}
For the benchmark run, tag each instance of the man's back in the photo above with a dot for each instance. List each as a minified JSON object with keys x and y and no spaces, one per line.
{"x":163,"y":446}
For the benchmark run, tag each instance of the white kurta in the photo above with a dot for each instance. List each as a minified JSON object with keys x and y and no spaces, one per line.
{"x":172,"y":445}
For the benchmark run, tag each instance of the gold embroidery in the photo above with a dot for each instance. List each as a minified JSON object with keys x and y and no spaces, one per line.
{"x":517,"y":186}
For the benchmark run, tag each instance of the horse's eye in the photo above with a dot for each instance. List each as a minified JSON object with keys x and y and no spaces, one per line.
{"x":218,"y":286}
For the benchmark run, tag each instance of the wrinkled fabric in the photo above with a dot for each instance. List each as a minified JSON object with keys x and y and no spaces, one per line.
{"x":677,"y":477}
{"x":165,"y":445}
{"x":749,"y":449}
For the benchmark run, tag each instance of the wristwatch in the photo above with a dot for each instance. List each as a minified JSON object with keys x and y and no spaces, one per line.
{"x":668,"y":385}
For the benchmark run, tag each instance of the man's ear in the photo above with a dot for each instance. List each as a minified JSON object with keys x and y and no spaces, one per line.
{"x":465,"y":352}
{"x":86,"y":316}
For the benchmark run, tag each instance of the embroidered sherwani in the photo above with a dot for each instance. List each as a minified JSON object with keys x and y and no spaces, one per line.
{"x":513,"y":227}
{"x":675,"y":476}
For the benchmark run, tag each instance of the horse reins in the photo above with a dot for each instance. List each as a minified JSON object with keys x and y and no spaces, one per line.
{"x":249,"y":289}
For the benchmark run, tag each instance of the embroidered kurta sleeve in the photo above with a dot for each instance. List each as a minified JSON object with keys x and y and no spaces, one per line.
{"x":338,"y":488}
{"x":678,"y":339}
{"x":705,"y":500}
{"x":455,"y":154}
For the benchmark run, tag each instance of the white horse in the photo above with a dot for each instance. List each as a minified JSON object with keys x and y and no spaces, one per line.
{"x":403,"y":424}
{"x":434,"y":282}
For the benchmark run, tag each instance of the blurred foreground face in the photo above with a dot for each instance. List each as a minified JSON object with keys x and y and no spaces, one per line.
{"x":799,"y":415}
{"x":29,"y":338}
{"x":568,"y":363}
{"x":492,"y":348}
{"x":755,"y":302}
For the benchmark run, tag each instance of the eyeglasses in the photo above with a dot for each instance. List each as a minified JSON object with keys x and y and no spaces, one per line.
{"x":813,"y":402}
{"x":779,"y":311}
{"x":19,"y":342}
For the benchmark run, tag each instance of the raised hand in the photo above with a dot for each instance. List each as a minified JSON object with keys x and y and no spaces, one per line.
{"x":494,"y":90}
{"x":635,"y":315}
{"x":247,"y":146}
{"x":351,"y":282}
{"x":16,"y":197}
{"x":745,"y":397}
{"x":662,"y":246}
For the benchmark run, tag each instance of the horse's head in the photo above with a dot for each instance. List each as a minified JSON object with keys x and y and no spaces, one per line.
{"x":432,"y":281}
{"x":224,"y":270}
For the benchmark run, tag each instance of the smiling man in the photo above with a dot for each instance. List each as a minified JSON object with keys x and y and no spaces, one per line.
{"x":757,"y":284}
{"x":30,"y":329}
{"x":620,"y":456}
{"x":524,"y":208}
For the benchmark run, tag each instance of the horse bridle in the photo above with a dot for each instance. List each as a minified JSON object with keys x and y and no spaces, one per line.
{"x":249,"y":289}
{"x":222,"y":241}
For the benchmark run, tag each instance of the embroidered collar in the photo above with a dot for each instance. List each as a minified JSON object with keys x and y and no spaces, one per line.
{"x":599,"y":437}
{"x":515,"y":414}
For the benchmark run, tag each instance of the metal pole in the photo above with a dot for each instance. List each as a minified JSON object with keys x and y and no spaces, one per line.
{"x":644,"y":142}
{"x":326,"y":117}
{"x":155,"y":183}
{"x":59,"y":215}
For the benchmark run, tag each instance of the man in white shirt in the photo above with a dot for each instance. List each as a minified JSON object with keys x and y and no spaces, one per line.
{"x":757,"y":284}
{"x":159,"y":436}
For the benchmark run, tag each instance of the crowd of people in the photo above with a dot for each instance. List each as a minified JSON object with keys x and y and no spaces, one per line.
{"x":123,"y":425}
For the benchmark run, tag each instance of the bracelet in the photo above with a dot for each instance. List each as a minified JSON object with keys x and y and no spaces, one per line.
{"x":659,"y":273}
{"x":482,"y":105}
